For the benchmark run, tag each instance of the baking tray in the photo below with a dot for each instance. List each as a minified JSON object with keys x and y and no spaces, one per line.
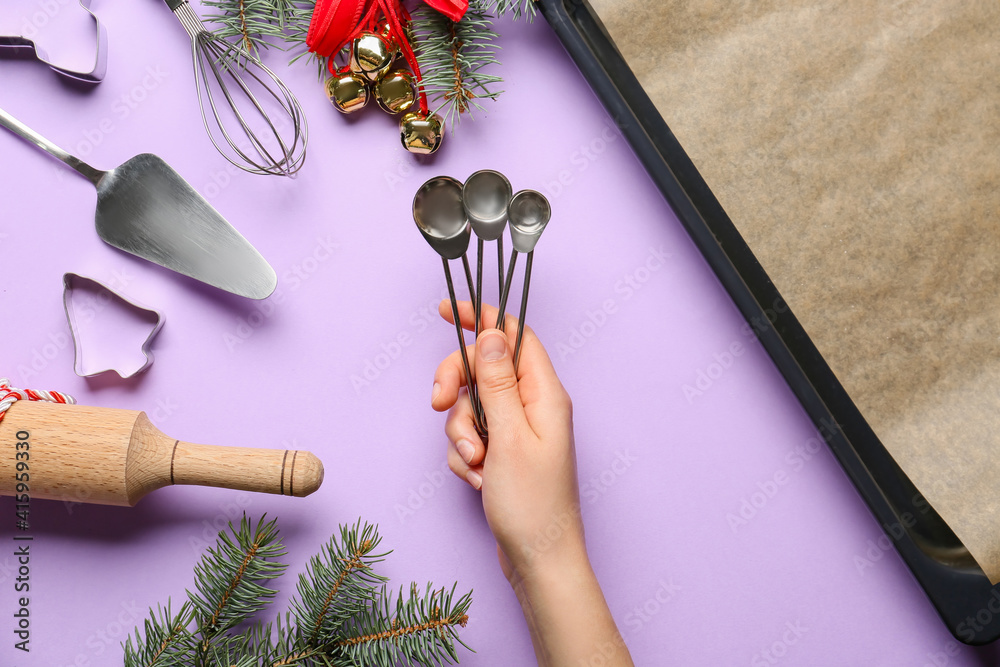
{"x":954,"y":583}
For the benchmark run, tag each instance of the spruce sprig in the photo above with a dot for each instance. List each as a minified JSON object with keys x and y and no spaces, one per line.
{"x":254,"y":24}
{"x":260,"y":645}
{"x":338,"y":583}
{"x":165,"y":640}
{"x":452,"y":58}
{"x":229,"y":579}
{"x":299,"y":16}
{"x":415,"y":630}
{"x":515,"y":8}
{"x":341,"y":614}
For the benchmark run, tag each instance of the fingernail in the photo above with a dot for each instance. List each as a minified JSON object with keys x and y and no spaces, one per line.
{"x":466,"y":449}
{"x":435,"y":392}
{"x":492,"y":347}
{"x":475,"y":479}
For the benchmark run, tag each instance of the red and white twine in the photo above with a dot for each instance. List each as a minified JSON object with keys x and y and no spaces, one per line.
{"x":9,"y":395}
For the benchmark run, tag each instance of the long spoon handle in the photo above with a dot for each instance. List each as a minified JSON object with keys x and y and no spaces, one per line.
{"x":500,"y":261}
{"x":479,"y":306}
{"x":506,"y":292}
{"x":524,"y":309}
{"x":479,"y":286}
{"x":469,"y":382}
{"x":468,"y":277}
{"x":29,"y":135}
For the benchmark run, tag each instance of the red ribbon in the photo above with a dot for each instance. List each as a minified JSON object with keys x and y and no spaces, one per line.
{"x":453,"y":9}
{"x":335,"y":22}
{"x":397,"y":31}
{"x":332,"y":22}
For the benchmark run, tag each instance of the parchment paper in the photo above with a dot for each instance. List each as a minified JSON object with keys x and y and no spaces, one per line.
{"x":856,"y":146}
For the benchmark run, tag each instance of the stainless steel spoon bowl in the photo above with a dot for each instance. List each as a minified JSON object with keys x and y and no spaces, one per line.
{"x":486,"y":195}
{"x":440,"y":215}
{"x":529,"y":214}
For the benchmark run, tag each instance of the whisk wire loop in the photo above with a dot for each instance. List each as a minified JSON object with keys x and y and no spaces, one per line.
{"x":280,"y":148}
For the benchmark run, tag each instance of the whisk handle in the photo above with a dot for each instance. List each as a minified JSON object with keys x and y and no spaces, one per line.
{"x":174,"y":4}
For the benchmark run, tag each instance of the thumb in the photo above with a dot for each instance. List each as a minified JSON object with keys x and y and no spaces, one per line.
{"x":497,"y":385}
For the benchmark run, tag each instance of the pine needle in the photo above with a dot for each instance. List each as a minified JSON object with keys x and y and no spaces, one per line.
{"x":452,"y":58}
{"x":341,"y":615}
{"x":164,"y":641}
{"x":416,"y":630}
{"x":229,"y":582}
{"x":515,"y":8}
{"x":255,"y":25}
{"x":338,"y":582}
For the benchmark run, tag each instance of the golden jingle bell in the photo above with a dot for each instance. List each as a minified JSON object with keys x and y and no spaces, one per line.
{"x":347,"y":91}
{"x":370,"y":56}
{"x":385,"y":31}
{"x":419,"y":133}
{"x":394,"y":92}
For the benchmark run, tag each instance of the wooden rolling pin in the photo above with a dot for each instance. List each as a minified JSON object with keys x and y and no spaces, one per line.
{"x":115,"y":457}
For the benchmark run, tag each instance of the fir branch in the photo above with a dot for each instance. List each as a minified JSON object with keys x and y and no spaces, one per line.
{"x":165,"y":641}
{"x":298,"y":18}
{"x":262,"y":645}
{"x":421,"y":629}
{"x":296,"y":15}
{"x":338,"y":582}
{"x":253,"y":24}
{"x":452,"y":58}
{"x":342,"y":617}
{"x":515,"y":8}
{"x":229,"y":577}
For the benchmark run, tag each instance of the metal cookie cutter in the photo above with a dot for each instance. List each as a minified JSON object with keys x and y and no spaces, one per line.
{"x":94,"y":75}
{"x":72,"y":281}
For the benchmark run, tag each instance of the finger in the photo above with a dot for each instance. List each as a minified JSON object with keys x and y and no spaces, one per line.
{"x":472,"y":475}
{"x":498,"y":390}
{"x":461,"y":431}
{"x":545,"y":400}
{"x":533,"y":354}
{"x":449,"y":378}
{"x":546,"y":403}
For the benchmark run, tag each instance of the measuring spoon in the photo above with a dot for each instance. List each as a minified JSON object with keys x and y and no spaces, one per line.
{"x":486,"y":195}
{"x":440,"y":215}
{"x":529,"y":212}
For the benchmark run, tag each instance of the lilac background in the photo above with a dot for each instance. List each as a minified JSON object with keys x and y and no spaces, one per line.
{"x":662,"y":471}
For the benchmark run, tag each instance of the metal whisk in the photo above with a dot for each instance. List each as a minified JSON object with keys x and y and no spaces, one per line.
{"x":264,"y":130}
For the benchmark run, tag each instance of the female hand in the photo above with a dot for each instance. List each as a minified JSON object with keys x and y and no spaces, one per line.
{"x":529,"y":487}
{"x":528,"y":480}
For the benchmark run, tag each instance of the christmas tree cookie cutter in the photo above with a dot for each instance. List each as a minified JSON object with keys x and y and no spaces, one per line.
{"x":95,"y":74}
{"x":82,"y":365}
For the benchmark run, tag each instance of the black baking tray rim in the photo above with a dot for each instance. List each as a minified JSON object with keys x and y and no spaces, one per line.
{"x":955,"y":585}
